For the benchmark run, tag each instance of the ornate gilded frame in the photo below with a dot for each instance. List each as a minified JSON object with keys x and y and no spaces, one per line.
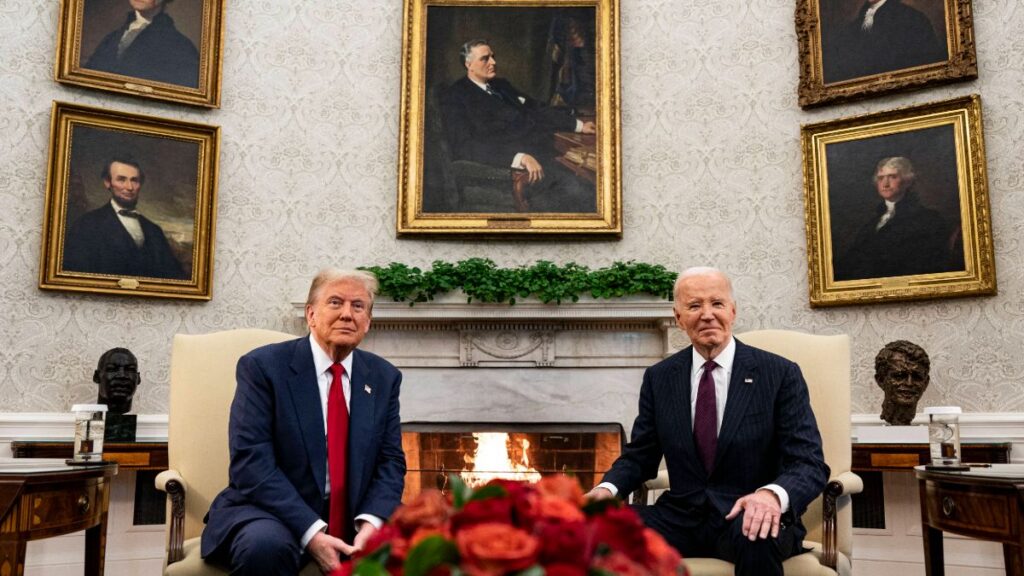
{"x":814,"y":90}
{"x":209,"y":29}
{"x":178,"y":194}
{"x":604,"y":155}
{"x":944,"y":141}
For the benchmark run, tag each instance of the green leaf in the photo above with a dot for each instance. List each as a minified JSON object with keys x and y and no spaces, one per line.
{"x":461,"y":493}
{"x":380,"y":554}
{"x":367,"y":567}
{"x":535,"y":570}
{"x":430,"y":553}
{"x":489,"y":491}
{"x":482,"y":280}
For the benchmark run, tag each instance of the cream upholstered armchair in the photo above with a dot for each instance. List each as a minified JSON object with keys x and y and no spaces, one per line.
{"x":825,"y":363}
{"x":202,"y":386}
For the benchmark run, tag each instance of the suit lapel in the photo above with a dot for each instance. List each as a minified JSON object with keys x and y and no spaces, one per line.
{"x":681,"y":382}
{"x":308,"y":409}
{"x":360,"y":423}
{"x":741,"y":390}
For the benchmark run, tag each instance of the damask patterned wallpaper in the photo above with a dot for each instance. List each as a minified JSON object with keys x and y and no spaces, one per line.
{"x":712,"y":174}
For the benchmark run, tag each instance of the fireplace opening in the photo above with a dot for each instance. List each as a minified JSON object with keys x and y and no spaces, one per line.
{"x":481,"y":451}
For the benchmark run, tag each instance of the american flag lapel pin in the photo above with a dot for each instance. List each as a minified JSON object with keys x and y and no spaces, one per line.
{"x":367,"y":389}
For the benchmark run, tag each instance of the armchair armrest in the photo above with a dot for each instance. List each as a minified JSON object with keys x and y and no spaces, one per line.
{"x":845,"y":484}
{"x":171,"y":482}
{"x":659,"y":482}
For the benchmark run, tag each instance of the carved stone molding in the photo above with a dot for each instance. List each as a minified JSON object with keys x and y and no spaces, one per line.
{"x":449,"y":332}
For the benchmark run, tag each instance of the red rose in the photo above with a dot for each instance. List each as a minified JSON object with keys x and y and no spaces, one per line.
{"x":621,"y":530}
{"x":388,"y":534}
{"x":557,"y":510}
{"x":564,"y":570}
{"x":492,"y":549}
{"x":619,"y":564}
{"x":561,"y":487}
{"x":428,"y":510}
{"x":523,"y":497}
{"x":662,"y":559}
{"x":563,"y":543}
{"x":497,"y":509}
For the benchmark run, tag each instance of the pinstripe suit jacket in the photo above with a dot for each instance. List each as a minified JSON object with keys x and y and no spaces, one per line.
{"x":768,"y":435}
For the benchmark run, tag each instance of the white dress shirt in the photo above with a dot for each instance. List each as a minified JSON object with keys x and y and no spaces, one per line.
{"x":132,"y":225}
{"x":890,"y":211}
{"x":869,"y":16}
{"x":322,"y":363}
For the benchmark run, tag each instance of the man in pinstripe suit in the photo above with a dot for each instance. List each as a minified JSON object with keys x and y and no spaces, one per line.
{"x":740,"y":443}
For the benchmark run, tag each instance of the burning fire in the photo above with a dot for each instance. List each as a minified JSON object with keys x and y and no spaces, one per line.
{"x":493,"y":459}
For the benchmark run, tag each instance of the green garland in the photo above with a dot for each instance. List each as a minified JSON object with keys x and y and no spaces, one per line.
{"x":481,"y":280}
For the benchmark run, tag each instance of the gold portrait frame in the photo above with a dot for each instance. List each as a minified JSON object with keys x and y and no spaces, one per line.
{"x":176,"y":165}
{"x":84,"y":27}
{"x":600,"y":161}
{"x":920,"y":258}
{"x":824,"y":78}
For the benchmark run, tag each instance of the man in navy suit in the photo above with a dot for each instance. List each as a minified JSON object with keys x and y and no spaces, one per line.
{"x":735,"y":427}
{"x":116,"y":238}
{"x":487,"y":120}
{"x":272,"y":516}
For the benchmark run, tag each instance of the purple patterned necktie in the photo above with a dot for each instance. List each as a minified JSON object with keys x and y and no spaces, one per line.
{"x":705,"y":418}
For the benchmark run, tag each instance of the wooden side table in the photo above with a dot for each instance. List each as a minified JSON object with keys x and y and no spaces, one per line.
{"x":40,"y":498}
{"x":883,"y":457}
{"x":984,"y":502}
{"x":143,"y":455}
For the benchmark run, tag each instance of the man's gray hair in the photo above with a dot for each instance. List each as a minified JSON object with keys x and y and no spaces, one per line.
{"x":467,"y":48}
{"x":332,"y":275}
{"x":701,"y":271}
{"x":899,"y":163}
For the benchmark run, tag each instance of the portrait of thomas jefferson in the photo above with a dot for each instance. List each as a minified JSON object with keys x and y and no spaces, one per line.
{"x":894,"y":205}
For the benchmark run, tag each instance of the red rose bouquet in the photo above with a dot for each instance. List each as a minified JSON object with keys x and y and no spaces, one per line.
{"x":514,"y":528}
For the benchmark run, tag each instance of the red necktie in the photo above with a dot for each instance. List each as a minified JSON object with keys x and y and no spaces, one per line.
{"x":337,"y":453}
{"x":705,"y":418}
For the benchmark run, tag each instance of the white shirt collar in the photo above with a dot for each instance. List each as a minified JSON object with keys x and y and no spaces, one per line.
{"x":724,"y":358}
{"x":139,"y":22}
{"x":873,"y":9}
{"x":323,"y":362}
{"x":482,"y":85}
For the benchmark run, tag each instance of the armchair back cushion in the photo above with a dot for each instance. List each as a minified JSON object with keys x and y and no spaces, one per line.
{"x":202,"y":387}
{"x":825,"y":363}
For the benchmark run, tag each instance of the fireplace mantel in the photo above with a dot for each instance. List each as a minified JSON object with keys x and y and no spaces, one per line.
{"x":634,"y":331}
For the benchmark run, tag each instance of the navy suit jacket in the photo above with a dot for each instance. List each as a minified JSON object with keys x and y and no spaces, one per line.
{"x":768,"y":436}
{"x":279,"y":450}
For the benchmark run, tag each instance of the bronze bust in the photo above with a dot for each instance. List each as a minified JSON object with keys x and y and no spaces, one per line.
{"x":901,"y":371}
{"x":117,"y":374}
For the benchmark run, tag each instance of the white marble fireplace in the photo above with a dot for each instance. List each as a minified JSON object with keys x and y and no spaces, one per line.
{"x":530,"y":362}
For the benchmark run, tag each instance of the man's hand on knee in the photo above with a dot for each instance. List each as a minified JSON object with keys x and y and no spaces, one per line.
{"x":599,"y":493}
{"x":326,"y":550}
{"x":761,"y":514}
